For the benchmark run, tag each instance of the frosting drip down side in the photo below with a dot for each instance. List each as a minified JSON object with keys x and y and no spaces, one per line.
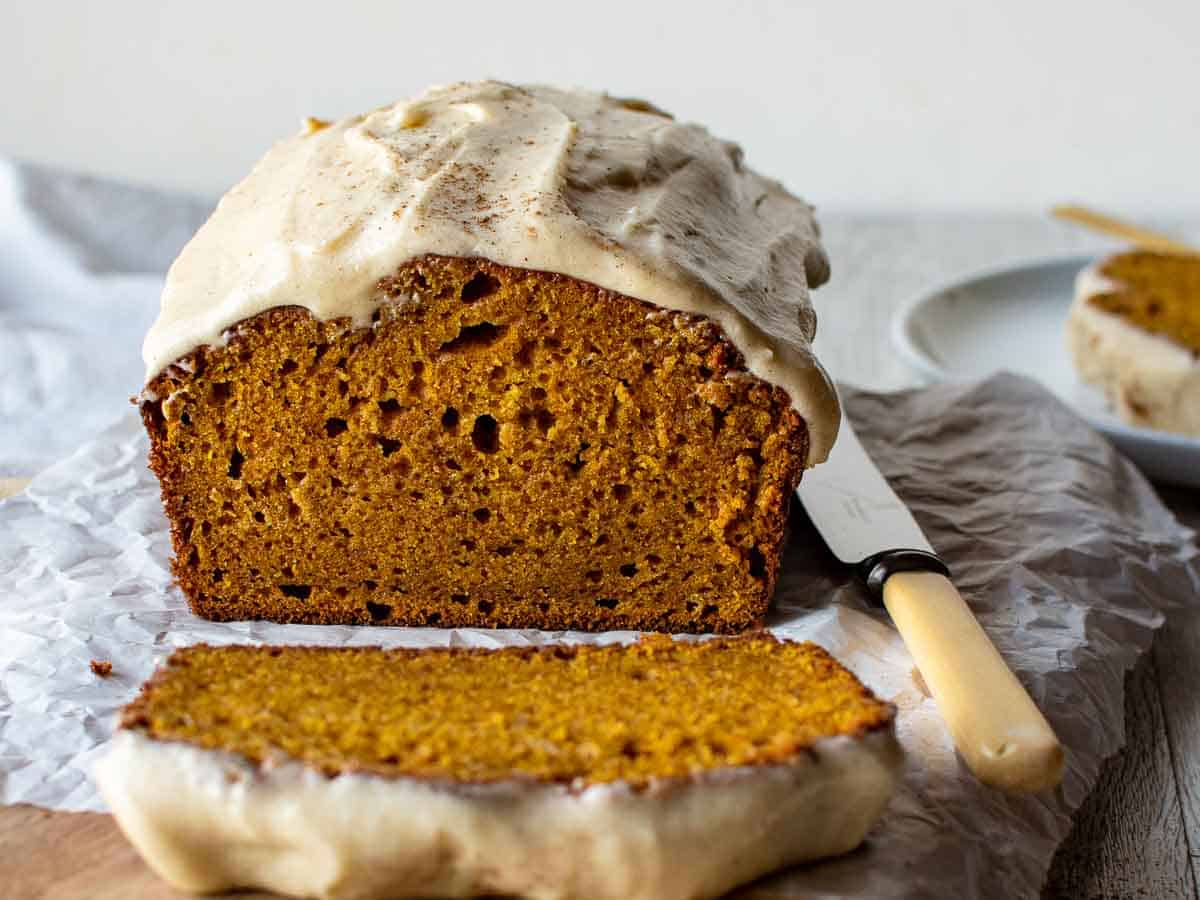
{"x":208,"y":821}
{"x":604,"y":190}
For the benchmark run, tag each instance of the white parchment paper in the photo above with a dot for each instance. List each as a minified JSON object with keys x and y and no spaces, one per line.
{"x":1061,"y":547}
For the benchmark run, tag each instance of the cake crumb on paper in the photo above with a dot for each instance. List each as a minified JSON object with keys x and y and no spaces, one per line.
{"x":101,"y":667}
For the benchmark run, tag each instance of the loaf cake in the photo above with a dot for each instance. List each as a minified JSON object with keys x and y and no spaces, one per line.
{"x":657,"y":770}
{"x":497,"y":356}
{"x":1134,"y":331}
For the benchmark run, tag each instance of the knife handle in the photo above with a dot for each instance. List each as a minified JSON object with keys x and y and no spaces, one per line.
{"x":999,"y":731}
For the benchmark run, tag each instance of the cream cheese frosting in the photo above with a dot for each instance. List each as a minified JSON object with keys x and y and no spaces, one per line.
{"x":605,"y":190}
{"x":207,"y":820}
{"x":1150,"y":380}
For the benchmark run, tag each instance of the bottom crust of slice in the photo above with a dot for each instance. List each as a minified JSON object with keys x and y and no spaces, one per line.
{"x":207,"y":820}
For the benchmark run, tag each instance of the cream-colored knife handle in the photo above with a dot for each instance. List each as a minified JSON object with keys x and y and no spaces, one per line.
{"x":1002,"y":735}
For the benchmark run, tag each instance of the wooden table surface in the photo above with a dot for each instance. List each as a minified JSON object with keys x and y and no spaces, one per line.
{"x":1138,"y":835}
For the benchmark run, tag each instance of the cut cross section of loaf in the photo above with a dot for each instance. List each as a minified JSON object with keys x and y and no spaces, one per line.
{"x":497,"y":357}
{"x":659,"y":770}
{"x":502,"y":447}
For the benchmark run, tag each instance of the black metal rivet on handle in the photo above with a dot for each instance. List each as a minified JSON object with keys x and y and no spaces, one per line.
{"x":875,"y":570}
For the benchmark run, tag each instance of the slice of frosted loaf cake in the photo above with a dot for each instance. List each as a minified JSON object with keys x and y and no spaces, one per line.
{"x":1134,"y":332}
{"x":658,"y":770}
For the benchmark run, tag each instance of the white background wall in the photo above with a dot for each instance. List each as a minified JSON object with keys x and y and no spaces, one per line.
{"x":935,"y":105}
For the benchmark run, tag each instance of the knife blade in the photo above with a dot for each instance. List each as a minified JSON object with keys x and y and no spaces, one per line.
{"x":998,"y":729}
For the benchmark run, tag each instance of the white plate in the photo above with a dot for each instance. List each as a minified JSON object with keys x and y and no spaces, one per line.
{"x":1013,"y":318}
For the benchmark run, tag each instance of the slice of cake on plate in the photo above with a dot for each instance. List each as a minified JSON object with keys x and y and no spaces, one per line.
{"x":1134,"y":331}
{"x":497,"y":356}
{"x":657,"y":770}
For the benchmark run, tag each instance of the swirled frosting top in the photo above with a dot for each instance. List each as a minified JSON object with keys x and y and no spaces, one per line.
{"x":609,"y":191}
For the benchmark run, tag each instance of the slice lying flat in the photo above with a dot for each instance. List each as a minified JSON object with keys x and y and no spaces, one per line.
{"x":658,"y":770}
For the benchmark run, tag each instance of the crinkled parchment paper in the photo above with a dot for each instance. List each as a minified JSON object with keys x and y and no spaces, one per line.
{"x":1061,"y":547}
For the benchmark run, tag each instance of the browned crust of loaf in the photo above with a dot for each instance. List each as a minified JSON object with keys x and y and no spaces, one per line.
{"x":722,"y":361}
{"x":878,"y":719}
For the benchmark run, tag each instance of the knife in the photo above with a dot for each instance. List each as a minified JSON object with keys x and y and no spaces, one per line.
{"x":998,"y":730}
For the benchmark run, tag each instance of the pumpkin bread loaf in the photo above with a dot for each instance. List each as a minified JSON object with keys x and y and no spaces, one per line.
{"x":1134,"y":331}
{"x":511,"y":449}
{"x":497,"y":357}
{"x":659,"y":769}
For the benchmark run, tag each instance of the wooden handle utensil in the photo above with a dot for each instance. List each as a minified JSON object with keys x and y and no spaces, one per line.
{"x":1000,"y":733}
{"x":1127,"y":231}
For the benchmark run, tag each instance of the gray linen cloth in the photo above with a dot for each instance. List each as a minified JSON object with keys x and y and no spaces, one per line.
{"x":81,"y":268}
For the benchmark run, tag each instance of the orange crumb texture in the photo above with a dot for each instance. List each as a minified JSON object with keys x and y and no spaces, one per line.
{"x":502,"y":449}
{"x":654,"y":709}
{"x":1159,"y":292}
{"x":101,"y":667}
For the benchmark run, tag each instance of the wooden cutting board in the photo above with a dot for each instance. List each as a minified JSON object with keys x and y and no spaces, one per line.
{"x":70,"y":856}
{"x":57,"y":856}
